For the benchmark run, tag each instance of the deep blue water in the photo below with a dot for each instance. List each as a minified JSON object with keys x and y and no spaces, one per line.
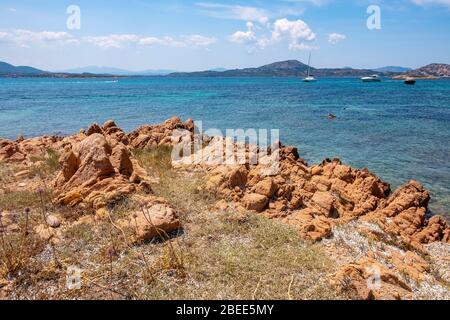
{"x":399,"y":132}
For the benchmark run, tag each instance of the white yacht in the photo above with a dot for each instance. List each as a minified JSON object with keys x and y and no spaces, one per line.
{"x":309,"y":78}
{"x":372,"y":78}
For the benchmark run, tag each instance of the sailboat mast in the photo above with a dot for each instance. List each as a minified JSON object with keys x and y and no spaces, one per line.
{"x":309,"y":64}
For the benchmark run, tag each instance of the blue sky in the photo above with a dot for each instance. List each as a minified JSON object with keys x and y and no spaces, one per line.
{"x":191,"y":35}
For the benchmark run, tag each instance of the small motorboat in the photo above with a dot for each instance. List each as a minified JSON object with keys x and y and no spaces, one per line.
{"x":331,"y":116}
{"x":410,"y":81}
{"x":372,"y":78}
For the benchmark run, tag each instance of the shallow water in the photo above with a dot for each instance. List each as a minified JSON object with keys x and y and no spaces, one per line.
{"x":399,"y":132}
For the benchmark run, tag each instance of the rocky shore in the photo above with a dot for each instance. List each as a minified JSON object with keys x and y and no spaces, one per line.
{"x":382,"y":242}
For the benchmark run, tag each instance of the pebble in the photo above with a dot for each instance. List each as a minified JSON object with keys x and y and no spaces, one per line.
{"x":53,"y":221}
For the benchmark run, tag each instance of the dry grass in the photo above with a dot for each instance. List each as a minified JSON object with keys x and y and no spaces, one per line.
{"x":182,"y":192}
{"x":6,"y":175}
{"x":246,"y":257}
{"x":230,"y":255}
{"x":158,"y":159}
{"x":15,"y":248}
{"x":45,"y":165}
{"x":18,"y":200}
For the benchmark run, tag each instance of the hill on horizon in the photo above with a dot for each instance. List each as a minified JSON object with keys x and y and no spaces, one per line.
{"x":9,"y":69}
{"x":288,"y":68}
{"x":433,"y":70}
{"x":115,"y":71}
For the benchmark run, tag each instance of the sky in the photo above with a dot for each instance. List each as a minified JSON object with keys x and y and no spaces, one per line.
{"x":189,"y":35}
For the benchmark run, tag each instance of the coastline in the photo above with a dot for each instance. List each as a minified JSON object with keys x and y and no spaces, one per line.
{"x":327,"y":204}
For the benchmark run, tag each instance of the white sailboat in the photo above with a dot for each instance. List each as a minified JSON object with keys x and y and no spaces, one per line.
{"x":309,"y":78}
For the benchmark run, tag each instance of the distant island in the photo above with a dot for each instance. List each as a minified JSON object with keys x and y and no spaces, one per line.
{"x":289,"y":68}
{"x":9,"y":71}
{"x":116,"y":71}
{"x":294,"y":68}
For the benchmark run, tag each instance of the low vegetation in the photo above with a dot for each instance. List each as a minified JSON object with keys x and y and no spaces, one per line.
{"x":45,"y":165}
{"x":217,"y":255}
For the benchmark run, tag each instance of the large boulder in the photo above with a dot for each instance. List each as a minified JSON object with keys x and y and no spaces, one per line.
{"x":97,"y":171}
{"x":156,"y":220}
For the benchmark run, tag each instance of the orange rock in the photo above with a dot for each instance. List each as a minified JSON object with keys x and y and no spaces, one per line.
{"x":325,"y":203}
{"x":404,"y":214}
{"x":316,"y":170}
{"x":310,"y":225}
{"x":266,"y":187}
{"x":157,"y":220}
{"x":97,"y":170}
{"x":436,"y":229}
{"x":410,"y":263}
{"x":9,"y":151}
{"x":22,"y":150}
{"x":238,"y":177}
{"x":370,"y":280}
{"x":161,"y":134}
{"x":255,"y":202}
{"x":290,"y":152}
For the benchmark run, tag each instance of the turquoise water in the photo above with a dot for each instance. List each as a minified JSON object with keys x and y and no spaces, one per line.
{"x":399,"y":132}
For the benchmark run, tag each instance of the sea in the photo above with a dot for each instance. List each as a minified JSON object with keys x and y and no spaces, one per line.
{"x":399,"y":132}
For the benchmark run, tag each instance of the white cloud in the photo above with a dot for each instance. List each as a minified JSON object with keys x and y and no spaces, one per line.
{"x":12,"y":9}
{"x":301,"y":47}
{"x":194,"y":40}
{"x":336,"y":37}
{"x":112,"y":41}
{"x":244,"y":37}
{"x":25,"y":37}
{"x":197,"y":40}
{"x":165,"y":41}
{"x":235,"y":12}
{"x":51,"y":36}
{"x":250,"y":39}
{"x":119,"y":41}
{"x":432,"y":2}
{"x":296,"y":31}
